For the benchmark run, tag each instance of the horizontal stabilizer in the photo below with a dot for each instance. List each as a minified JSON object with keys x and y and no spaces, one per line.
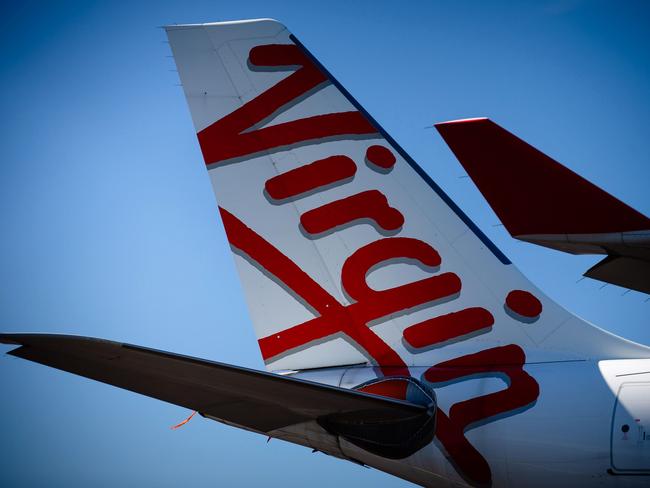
{"x":623,"y":271}
{"x":530,"y":192}
{"x":254,"y":400}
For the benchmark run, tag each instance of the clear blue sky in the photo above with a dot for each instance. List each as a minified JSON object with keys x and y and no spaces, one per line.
{"x":109,"y":226}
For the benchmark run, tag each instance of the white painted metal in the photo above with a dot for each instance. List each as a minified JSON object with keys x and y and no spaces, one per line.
{"x":631,"y":428}
{"x":563,"y":438}
{"x":212,"y":63}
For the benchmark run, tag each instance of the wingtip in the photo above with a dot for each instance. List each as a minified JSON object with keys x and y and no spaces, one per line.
{"x":515,"y":178}
{"x":11,"y":339}
{"x":222,"y":23}
{"x":33,"y":338}
{"x":461,"y":121}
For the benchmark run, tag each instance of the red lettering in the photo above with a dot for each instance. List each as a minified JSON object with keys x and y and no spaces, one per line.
{"x":239,"y":134}
{"x":229,"y":138}
{"x":522,"y":391}
{"x":371,"y":305}
{"x":310,"y":177}
{"x":461,"y":454}
{"x":359,"y":264}
{"x":334,"y":318}
{"x":371,"y":205}
{"x":524,"y":304}
{"x":450,"y":326}
{"x":380,"y":158}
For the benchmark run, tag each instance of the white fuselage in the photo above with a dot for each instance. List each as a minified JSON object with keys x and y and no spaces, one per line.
{"x":571,"y":436}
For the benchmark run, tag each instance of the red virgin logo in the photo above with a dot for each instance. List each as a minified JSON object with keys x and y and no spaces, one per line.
{"x":240,"y":135}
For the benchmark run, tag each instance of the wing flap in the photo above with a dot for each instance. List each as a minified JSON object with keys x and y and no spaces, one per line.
{"x":623,"y":271}
{"x":251,"y":399}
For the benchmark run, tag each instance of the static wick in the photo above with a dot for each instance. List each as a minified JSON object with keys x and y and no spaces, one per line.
{"x":174,"y":427}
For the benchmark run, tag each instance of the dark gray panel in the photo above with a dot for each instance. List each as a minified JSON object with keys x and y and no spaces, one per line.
{"x":623,"y":271}
{"x":255,"y":400}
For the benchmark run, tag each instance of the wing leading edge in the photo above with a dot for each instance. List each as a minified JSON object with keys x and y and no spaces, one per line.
{"x":253,"y":400}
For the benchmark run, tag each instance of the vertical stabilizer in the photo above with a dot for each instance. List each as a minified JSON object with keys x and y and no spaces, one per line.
{"x":347,"y":251}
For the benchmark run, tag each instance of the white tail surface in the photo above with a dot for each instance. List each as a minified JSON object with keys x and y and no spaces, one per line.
{"x":348,"y":252}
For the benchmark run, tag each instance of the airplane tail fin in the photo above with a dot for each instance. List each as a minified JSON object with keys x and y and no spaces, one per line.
{"x":530,"y":192}
{"x":347,"y":250}
{"x":543,"y":202}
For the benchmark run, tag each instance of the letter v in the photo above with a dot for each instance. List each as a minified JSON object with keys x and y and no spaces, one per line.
{"x":230,"y":137}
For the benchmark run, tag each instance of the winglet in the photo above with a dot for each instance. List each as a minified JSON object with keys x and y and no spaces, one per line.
{"x":530,"y":192}
{"x":11,"y":339}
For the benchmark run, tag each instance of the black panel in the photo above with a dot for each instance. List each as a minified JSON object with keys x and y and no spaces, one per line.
{"x":255,"y":400}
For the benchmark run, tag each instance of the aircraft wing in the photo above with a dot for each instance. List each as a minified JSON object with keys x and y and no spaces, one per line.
{"x":262,"y":402}
{"x":251,"y":399}
{"x":543,"y":202}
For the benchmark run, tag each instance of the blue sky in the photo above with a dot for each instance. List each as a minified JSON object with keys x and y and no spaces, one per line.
{"x":109,"y":226}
